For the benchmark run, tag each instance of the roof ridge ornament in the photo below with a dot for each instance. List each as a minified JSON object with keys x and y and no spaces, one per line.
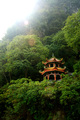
{"x":53,"y":55}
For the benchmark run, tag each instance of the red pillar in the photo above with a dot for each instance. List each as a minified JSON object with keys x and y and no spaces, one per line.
{"x":58,"y":65}
{"x":49,"y":65}
{"x":54,"y":76}
{"x":61,"y":76}
{"x":54,"y":64}
{"x":48,"y":76}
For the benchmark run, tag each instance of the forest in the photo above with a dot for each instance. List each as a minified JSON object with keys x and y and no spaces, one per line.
{"x":53,"y":28}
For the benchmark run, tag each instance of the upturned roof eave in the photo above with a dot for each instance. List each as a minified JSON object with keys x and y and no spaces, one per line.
{"x":52,"y":61}
{"x":45,"y":71}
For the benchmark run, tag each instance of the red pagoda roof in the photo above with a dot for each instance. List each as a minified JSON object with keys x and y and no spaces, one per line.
{"x":52,"y":60}
{"x":52,"y":69}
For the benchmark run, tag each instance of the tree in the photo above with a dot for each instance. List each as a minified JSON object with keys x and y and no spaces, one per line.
{"x":19,"y":28}
{"x":3,"y":75}
{"x":70,"y":96}
{"x":61,"y":49}
{"x":50,"y":15}
{"x":77,"y":67}
{"x":72,"y":31}
{"x":24,"y":54}
{"x":41,"y":100}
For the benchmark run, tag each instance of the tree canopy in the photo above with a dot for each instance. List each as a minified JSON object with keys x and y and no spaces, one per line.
{"x":53,"y":28}
{"x":71,"y":31}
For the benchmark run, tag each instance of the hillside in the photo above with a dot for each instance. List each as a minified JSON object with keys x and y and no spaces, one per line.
{"x":53,"y":28}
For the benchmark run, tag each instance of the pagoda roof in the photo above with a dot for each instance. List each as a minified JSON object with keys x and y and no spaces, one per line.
{"x":52,"y":60}
{"x":50,"y":69}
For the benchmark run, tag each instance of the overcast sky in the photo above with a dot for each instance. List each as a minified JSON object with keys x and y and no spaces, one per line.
{"x":12,"y":11}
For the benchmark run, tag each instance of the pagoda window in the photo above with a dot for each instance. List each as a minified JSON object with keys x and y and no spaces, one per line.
{"x":56,"y":65}
{"x":58,"y":77}
{"x":62,"y":65}
{"x":51,"y":77}
{"x":45,"y":66}
{"x":51,"y":65}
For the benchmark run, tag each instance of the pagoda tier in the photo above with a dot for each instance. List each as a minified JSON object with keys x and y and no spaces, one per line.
{"x":50,"y":69}
{"x":52,"y":60}
{"x":53,"y":69}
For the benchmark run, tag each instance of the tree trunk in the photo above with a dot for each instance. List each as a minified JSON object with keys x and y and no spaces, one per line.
{"x":10,"y":76}
{"x":26,"y":73}
{"x":5,"y":77}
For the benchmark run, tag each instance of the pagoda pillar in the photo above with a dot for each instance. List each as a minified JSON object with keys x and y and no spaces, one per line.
{"x":61,"y":76}
{"x":58,"y":65}
{"x":54,"y":76}
{"x":45,"y":77}
{"x":49,"y":65}
{"x":48,"y":76}
{"x":53,"y":64}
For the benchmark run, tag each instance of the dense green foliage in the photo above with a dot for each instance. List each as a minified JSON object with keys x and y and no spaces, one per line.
{"x":53,"y":28}
{"x":71,"y":31}
{"x":41,"y":99}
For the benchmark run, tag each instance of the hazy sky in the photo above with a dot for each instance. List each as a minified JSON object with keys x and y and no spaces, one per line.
{"x":12,"y":11}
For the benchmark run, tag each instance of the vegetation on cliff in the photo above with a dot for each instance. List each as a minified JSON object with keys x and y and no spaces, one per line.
{"x":53,"y":28}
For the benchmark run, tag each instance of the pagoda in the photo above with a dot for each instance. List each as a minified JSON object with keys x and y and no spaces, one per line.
{"x":53,"y":68}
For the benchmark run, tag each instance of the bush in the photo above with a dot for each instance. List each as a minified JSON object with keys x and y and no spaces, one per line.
{"x":25,"y":98}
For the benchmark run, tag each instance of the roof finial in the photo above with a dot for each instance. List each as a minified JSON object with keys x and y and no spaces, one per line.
{"x":52,"y":54}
